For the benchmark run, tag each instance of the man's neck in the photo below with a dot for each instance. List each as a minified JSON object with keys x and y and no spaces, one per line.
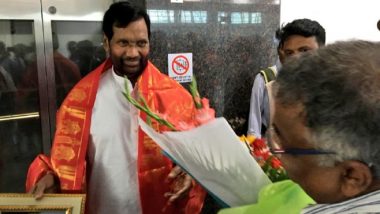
{"x":131,"y":78}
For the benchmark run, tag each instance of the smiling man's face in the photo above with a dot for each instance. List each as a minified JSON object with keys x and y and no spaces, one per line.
{"x":129,"y":49}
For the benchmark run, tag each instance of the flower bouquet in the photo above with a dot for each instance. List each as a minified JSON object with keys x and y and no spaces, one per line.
{"x":203,"y":113}
{"x":208,"y":149}
{"x":269,"y":163}
{"x":257,"y":147}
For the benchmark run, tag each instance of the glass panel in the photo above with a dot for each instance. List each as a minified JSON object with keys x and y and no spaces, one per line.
{"x":200,"y":17}
{"x":239,"y":18}
{"x":186,"y":17}
{"x":77,"y":49}
{"x":161,"y":16}
{"x":256,"y":18}
{"x":20,"y":126}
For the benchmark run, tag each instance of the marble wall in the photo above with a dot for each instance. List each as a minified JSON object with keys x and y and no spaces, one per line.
{"x":230,"y":42}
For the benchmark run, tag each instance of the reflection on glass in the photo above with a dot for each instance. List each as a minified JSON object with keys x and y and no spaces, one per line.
{"x":161,"y":16}
{"x":193,"y":16}
{"x":20,"y":130}
{"x":222,"y":17}
{"x":256,"y":17}
{"x":185,"y":16}
{"x":67,"y":72}
{"x":241,"y":17}
{"x":77,"y":51}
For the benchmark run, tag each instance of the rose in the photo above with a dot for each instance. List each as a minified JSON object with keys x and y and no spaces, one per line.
{"x":270,"y":164}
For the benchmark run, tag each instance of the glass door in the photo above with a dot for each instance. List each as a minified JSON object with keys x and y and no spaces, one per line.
{"x":23,"y":94}
{"x":46,"y":46}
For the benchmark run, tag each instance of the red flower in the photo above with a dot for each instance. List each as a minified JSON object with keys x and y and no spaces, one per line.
{"x":275,"y":163}
{"x":204,"y":114}
{"x":259,"y":143}
{"x":258,"y":152}
{"x":270,"y":164}
{"x":266,"y":155}
{"x":201,"y":116}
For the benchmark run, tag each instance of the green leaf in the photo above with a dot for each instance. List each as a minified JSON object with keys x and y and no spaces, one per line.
{"x":144,"y":108}
{"x":194,"y":93}
{"x":149,"y":120}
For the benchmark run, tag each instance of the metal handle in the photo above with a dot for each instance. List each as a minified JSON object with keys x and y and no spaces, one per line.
{"x":11,"y":117}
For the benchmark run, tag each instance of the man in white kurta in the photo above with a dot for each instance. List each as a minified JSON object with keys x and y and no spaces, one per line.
{"x":113,"y":131}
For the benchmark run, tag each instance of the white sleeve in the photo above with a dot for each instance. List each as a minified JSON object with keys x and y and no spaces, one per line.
{"x":256,"y":107}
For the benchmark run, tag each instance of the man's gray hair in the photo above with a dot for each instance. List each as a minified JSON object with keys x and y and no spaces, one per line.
{"x":339,"y":88}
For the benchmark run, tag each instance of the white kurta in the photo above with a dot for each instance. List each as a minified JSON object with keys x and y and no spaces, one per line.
{"x":112,"y":151}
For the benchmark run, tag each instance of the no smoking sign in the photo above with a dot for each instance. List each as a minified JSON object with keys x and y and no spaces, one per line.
{"x":181,"y":66}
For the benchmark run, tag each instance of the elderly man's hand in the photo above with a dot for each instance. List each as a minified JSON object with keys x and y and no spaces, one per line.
{"x":47,"y":184}
{"x":180,"y":184}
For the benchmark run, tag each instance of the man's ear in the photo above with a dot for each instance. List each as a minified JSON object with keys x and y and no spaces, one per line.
{"x":356,"y":179}
{"x":106,"y":45}
{"x":281,"y":55}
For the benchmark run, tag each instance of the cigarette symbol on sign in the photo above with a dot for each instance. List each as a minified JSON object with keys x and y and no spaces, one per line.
{"x":180,"y":65}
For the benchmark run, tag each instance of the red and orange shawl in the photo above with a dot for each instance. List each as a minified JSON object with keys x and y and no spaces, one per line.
{"x":68,"y":154}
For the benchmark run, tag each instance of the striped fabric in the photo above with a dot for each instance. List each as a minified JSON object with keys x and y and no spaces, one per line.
{"x":369,"y":203}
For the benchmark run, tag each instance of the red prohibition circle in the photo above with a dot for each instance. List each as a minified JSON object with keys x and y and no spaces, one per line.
{"x":180,"y":65}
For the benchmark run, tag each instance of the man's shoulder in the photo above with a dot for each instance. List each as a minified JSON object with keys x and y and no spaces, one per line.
{"x":84,"y":91}
{"x":157,"y":78}
{"x":87,"y":79}
{"x":96,"y":73}
{"x":268,"y":74}
{"x":367,"y":203}
{"x":155,"y":71}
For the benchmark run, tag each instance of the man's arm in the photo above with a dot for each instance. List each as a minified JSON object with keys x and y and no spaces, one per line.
{"x":181,"y":184}
{"x":41,"y":177}
{"x":47,"y":184}
{"x":256,"y":107}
